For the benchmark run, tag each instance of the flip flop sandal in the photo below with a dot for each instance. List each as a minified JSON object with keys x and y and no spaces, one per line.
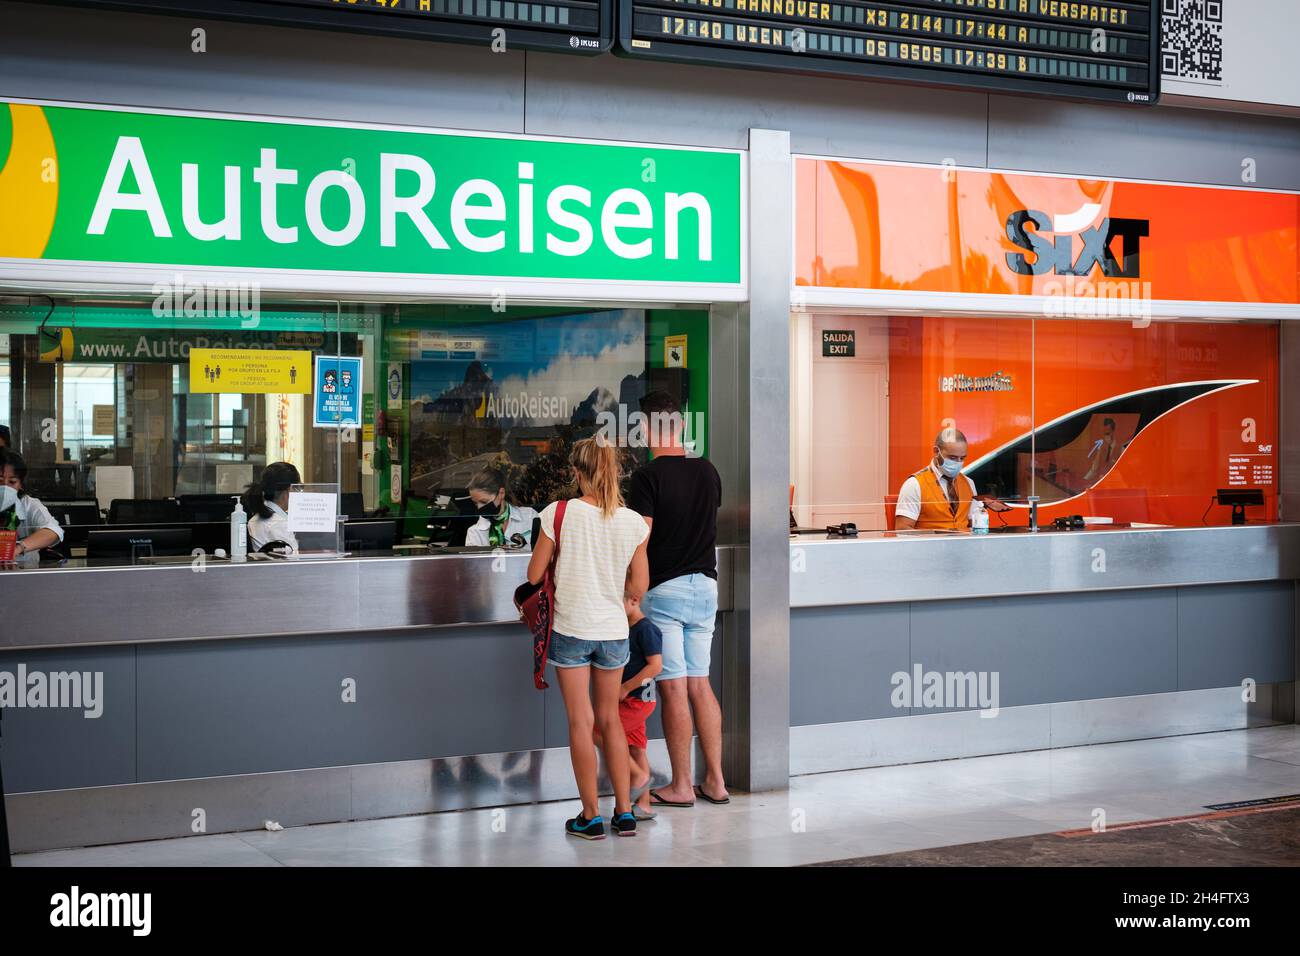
{"x":657,"y":801}
{"x":708,"y":799}
{"x":642,"y":816}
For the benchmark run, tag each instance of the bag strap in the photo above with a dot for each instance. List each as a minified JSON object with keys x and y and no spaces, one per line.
{"x":559,"y":522}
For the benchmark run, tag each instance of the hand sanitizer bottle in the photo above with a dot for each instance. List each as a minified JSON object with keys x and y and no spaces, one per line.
{"x":238,"y":533}
{"x":979,"y":522}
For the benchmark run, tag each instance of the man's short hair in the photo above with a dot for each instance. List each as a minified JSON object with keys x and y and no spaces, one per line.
{"x":1108,"y":421}
{"x":947,"y":435}
{"x":661,"y":402}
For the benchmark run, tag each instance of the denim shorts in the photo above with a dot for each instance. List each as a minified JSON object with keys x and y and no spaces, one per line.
{"x":684,"y":609}
{"x":568,"y":651}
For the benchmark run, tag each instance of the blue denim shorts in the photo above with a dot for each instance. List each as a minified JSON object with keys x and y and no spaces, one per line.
{"x":684,"y":610}
{"x":568,"y":651}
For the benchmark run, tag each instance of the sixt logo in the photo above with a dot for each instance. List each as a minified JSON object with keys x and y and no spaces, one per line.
{"x":1058,"y":256}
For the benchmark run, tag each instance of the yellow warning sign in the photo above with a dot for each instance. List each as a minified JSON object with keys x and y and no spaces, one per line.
{"x":674,"y":351}
{"x":251,"y":371}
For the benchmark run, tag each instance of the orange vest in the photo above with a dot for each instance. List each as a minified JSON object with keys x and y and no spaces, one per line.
{"x":936,"y":511}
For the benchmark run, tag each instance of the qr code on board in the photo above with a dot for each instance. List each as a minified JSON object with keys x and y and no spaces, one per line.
{"x":1192,"y":39}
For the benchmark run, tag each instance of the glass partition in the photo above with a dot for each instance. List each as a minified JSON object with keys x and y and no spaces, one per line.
{"x":1115,"y":423}
{"x":145,"y":413}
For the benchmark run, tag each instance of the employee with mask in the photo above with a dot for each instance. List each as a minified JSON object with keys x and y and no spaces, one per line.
{"x":499,"y":520}
{"x":266,"y":503}
{"x":37,"y":528}
{"x":939,"y":497}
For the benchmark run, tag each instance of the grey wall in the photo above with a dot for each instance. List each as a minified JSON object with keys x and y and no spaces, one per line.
{"x":128,"y":59}
{"x":215,"y":708}
{"x":1045,"y":648}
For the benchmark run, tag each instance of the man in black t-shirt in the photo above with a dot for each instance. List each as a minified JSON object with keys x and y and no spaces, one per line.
{"x":679,"y":495}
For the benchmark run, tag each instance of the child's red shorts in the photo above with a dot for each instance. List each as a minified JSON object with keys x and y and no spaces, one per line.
{"x":633,"y":711}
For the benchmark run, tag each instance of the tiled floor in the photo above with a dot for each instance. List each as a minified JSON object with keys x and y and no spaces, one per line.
{"x":1266,"y":836}
{"x":822,"y":817}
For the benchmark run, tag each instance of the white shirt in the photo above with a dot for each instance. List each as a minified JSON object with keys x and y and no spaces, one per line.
{"x":275,"y":528}
{"x":909,"y":496}
{"x":33,"y":516}
{"x":519,"y":521}
{"x":591,"y":572}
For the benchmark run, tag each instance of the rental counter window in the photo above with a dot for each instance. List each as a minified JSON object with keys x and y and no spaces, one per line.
{"x":1104,"y":350}
{"x":1064,"y":423}
{"x":1036,"y":443}
{"x":132,"y":419}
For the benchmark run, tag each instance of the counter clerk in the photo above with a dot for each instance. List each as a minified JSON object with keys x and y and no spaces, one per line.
{"x":939,"y":497}
{"x":37,"y":528}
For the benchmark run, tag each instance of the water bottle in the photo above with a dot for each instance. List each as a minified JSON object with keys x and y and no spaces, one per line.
{"x":979,"y":522}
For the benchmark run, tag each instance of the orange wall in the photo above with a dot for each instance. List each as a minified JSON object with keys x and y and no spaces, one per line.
{"x":1180,"y":460}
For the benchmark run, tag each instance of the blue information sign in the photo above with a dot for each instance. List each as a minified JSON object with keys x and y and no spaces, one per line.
{"x":337,"y":391}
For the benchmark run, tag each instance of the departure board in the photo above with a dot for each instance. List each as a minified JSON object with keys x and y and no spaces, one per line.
{"x":578,"y":26}
{"x":1104,"y":49}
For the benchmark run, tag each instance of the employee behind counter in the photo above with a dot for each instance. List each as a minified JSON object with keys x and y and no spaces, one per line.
{"x":37,"y":528}
{"x":939,"y":497}
{"x":266,"y":502}
{"x":501,"y":523}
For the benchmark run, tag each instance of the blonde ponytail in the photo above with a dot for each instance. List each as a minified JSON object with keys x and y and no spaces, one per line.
{"x":596,"y":462}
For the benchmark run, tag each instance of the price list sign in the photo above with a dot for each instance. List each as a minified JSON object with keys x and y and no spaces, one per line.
{"x":578,"y":26}
{"x":1102,"y":49}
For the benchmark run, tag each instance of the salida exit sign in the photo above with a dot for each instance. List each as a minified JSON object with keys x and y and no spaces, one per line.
{"x":837,"y":343}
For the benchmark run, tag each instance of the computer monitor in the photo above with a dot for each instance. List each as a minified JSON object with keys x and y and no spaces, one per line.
{"x":206,"y":507}
{"x":210,"y":535}
{"x":373,"y":535}
{"x":131,"y":544}
{"x":144,"y":511}
{"x":353,"y":504}
{"x":74,"y":512}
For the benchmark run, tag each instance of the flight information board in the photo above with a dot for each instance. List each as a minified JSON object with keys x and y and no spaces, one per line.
{"x":578,"y":26}
{"x":1103,"y":49}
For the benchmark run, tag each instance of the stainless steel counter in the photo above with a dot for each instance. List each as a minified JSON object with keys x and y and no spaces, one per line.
{"x":71,"y":606}
{"x":882,"y":568}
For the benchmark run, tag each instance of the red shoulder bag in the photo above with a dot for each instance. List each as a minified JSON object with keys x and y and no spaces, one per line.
{"x":536,"y":606}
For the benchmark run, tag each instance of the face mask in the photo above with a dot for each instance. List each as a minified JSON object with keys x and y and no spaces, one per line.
{"x":950,"y":468}
{"x":8,"y":497}
{"x":489,"y":510}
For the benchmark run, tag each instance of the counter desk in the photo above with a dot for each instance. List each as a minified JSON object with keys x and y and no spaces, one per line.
{"x":300,"y":691}
{"x":1074,"y":636}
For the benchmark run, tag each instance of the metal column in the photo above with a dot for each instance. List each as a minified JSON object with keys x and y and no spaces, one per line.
{"x":751,"y":445}
{"x":1288,"y":442}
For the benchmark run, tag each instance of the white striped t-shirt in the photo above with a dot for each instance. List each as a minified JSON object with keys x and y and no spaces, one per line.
{"x":591,"y":572}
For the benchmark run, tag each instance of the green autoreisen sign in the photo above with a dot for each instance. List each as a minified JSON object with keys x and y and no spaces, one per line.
{"x":93,"y":185}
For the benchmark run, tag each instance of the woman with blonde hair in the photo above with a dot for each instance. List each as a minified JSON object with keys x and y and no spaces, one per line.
{"x":601,"y":561}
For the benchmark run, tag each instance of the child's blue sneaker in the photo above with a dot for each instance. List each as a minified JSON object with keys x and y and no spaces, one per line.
{"x":580,"y":826}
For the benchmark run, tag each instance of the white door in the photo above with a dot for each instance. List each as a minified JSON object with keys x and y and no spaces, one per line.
{"x":848,"y":420}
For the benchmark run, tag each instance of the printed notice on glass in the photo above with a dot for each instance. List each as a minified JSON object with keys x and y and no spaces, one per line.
{"x":312,"y":511}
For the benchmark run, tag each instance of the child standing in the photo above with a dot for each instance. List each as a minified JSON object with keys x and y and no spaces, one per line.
{"x":645,"y":661}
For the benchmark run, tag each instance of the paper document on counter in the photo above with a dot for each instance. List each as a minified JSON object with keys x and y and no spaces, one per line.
{"x":312,"y":511}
